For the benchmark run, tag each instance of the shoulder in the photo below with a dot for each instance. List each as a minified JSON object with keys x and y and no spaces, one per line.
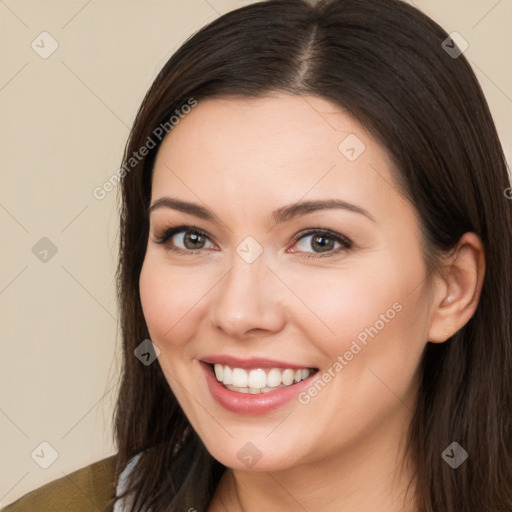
{"x":91,"y":488}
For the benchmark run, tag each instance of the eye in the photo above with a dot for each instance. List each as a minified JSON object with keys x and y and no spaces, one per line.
{"x":184,"y":239}
{"x":321,"y":241}
{"x":316,"y":242}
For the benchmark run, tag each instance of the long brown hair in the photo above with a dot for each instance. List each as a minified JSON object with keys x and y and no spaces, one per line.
{"x":384,"y":62}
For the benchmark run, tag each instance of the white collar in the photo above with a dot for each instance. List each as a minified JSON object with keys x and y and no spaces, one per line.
{"x":124,"y":504}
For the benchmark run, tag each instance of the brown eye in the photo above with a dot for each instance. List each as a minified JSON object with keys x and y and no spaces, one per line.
{"x":193,"y":240}
{"x":322,"y":241}
{"x":185,"y":239}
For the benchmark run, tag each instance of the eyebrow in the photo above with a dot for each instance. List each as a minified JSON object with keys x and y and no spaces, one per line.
{"x":283,"y":214}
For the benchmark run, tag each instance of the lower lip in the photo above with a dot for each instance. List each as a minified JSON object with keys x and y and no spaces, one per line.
{"x":245,"y":403}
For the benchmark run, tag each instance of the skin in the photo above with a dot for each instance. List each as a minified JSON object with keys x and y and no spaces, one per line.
{"x":242,"y":159}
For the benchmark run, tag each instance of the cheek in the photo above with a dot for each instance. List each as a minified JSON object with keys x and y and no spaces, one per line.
{"x":336,"y":304}
{"x":379,"y":300}
{"x":171,"y":299}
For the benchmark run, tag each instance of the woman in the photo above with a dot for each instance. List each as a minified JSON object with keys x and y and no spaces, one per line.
{"x":314,"y":273}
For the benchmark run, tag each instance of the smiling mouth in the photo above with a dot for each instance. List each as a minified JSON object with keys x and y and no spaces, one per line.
{"x":259,"y":380}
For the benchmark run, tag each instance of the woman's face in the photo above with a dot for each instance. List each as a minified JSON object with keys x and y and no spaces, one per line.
{"x":299,"y":273}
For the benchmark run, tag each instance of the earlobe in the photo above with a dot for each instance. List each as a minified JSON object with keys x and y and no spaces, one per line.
{"x":457,"y":298}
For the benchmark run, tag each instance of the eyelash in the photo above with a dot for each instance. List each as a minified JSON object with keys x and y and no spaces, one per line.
{"x":345,"y":242}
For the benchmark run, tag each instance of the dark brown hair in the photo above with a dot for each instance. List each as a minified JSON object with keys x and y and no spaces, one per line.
{"x":383,"y":62}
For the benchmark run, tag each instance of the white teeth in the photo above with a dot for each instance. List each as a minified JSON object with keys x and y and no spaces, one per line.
{"x":258,"y":380}
{"x":219,"y":372}
{"x":228,"y":375}
{"x":240,"y":378}
{"x":274,"y":378}
{"x":288,"y":377}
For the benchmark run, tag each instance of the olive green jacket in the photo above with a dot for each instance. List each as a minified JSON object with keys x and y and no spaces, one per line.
{"x":89,"y":489}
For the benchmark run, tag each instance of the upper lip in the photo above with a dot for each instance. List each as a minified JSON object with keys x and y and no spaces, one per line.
{"x":253,"y":362}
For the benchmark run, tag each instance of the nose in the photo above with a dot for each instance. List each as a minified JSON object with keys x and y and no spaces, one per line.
{"x":248,"y":301}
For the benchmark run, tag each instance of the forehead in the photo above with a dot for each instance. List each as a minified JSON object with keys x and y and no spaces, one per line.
{"x":280,"y":148}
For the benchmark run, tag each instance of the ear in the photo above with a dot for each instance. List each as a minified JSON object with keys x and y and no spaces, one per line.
{"x":457,"y":288}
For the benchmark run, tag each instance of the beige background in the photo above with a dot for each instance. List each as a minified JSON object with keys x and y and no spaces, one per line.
{"x":64,"y":121}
